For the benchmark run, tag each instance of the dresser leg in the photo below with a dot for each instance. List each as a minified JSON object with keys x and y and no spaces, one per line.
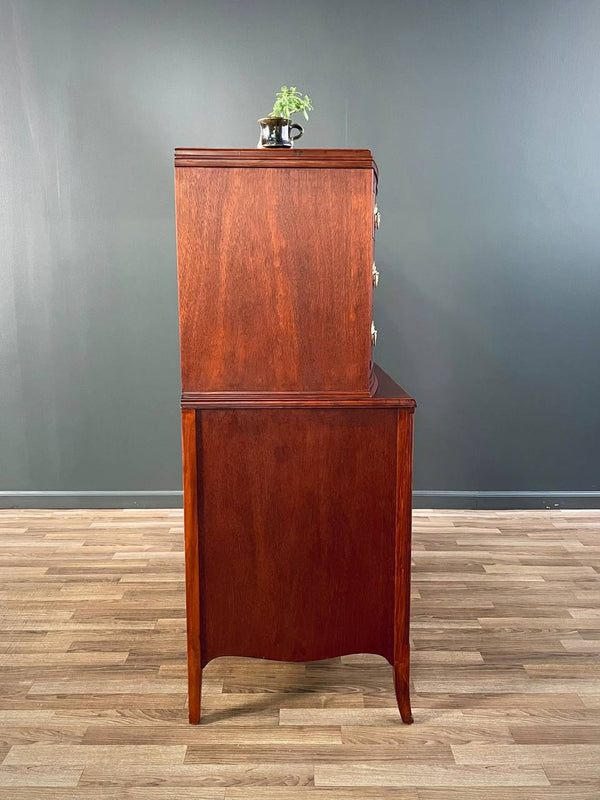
{"x":192,"y":579}
{"x":194,"y":692}
{"x":402,"y":687}
{"x":402,"y":566}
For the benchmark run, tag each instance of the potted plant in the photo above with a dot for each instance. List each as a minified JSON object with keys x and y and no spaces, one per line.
{"x":275,"y":129}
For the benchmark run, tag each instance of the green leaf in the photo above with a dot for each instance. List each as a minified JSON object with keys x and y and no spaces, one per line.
{"x":290,"y":101}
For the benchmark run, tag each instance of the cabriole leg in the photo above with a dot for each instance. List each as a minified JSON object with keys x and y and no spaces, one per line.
{"x":402,"y":686}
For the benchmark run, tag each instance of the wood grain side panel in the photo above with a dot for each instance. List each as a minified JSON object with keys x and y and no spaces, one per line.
{"x":274,"y":279}
{"x":192,"y":591}
{"x":297,"y":532}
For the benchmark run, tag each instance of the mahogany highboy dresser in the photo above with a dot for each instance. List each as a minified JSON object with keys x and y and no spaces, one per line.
{"x":297,"y":450}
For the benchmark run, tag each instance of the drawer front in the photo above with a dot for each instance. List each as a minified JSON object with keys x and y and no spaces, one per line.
{"x":374,"y":270}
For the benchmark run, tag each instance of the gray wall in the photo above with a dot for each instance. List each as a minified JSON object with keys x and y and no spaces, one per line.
{"x":484,"y":118}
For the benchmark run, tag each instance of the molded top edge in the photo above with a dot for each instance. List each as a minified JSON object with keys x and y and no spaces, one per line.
{"x":280,"y":157}
{"x":388,"y":394}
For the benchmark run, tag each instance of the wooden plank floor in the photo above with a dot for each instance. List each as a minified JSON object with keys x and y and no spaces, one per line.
{"x":506,"y":672}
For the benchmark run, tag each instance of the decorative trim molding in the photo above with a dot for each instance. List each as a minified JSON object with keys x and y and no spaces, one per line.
{"x":92,"y":499}
{"x":421,"y":499}
{"x":305,"y":158}
{"x":204,"y":402}
{"x":390,"y":394}
{"x":505,"y":500}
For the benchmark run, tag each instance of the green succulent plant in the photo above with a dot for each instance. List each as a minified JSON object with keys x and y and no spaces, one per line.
{"x":289,"y":101}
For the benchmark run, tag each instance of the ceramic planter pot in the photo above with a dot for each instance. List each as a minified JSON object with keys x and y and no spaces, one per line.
{"x":276,"y":132}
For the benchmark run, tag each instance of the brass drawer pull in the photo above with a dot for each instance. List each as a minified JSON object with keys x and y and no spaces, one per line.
{"x":377,"y":216}
{"x":373,"y":334}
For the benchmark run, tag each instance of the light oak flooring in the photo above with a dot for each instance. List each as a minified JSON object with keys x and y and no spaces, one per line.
{"x":506,"y":672}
